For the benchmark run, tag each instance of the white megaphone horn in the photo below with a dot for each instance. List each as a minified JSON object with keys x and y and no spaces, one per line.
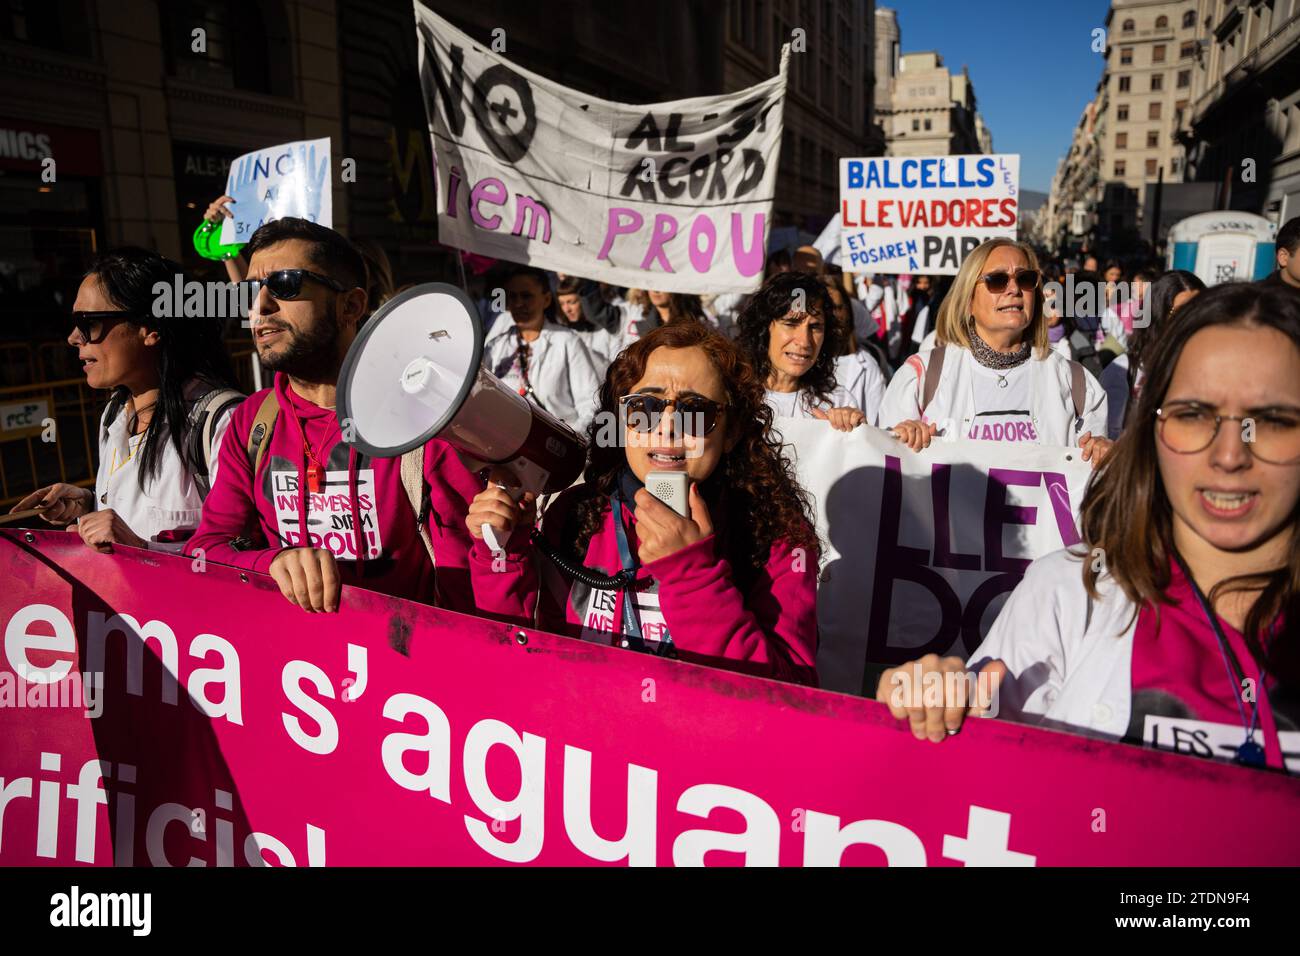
{"x":414,"y":372}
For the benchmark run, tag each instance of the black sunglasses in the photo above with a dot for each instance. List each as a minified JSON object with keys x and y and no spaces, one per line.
{"x":693,"y":415}
{"x":997,"y":282}
{"x":94,"y":326}
{"x":286,"y":284}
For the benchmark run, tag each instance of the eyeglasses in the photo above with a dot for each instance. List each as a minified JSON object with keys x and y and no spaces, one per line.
{"x":1272,"y":436}
{"x":693,"y":415}
{"x":997,"y":282}
{"x":285,"y":284}
{"x":94,"y":326}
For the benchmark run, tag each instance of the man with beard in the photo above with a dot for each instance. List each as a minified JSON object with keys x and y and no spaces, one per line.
{"x":292,"y":499}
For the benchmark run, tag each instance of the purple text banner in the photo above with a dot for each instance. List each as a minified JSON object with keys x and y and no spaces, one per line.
{"x":234,"y":729}
{"x":671,"y":196}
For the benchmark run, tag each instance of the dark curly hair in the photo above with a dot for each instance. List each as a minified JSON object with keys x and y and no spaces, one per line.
{"x":772,"y":302}
{"x":763,"y":500}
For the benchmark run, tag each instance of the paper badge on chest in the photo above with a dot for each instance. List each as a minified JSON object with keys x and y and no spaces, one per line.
{"x":602,"y":624}
{"x":329,"y":523}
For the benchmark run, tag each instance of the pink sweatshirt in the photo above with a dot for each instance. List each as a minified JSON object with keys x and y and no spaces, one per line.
{"x":769,"y":630}
{"x":357,"y":489}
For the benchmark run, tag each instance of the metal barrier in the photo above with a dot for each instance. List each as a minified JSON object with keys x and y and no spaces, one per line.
{"x":67,"y":450}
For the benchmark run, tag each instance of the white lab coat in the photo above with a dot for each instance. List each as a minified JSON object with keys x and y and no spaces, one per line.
{"x":171,"y":499}
{"x":1050,"y":405}
{"x":560,"y":370}
{"x":859,"y":375}
{"x":1064,"y":669}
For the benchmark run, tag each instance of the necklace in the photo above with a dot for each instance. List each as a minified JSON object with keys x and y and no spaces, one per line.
{"x":990,"y":357}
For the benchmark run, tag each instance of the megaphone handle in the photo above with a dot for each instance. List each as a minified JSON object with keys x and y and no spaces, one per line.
{"x":489,"y":533}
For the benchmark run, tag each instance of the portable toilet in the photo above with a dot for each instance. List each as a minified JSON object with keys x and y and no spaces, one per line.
{"x":1223,"y":246}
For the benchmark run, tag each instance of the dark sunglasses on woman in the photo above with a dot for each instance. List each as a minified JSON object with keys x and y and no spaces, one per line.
{"x":93,"y":326}
{"x":997,"y":282}
{"x":693,"y":415}
{"x":285,"y":284}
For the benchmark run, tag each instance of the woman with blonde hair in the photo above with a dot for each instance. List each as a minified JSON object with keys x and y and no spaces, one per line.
{"x":991,"y":374}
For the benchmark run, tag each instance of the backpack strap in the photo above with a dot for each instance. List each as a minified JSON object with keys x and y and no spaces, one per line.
{"x":204,"y":415}
{"x":932,"y":373}
{"x":1078,"y":387}
{"x":417,"y":493}
{"x":260,"y":432}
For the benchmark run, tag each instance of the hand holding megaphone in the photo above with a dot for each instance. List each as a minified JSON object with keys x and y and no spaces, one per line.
{"x":499,"y":508}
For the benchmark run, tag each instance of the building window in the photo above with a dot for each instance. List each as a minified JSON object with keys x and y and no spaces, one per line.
{"x":1129,"y":26}
{"x":1121,"y":140}
{"x":1153,"y":111}
{"x":1119,"y":167}
{"x":62,"y":26}
{"x":1157,"y":82}
{"x":1158,"y":53}
{"x":1162,"y":23}
{"x":1189,"y":19}
{"x":1151,"y":167}
{"x":1187,"y":50}
{"x":1124,"y":84}
{"x":916,"y":125}
{"x":1125,"y":55}
{"x":1121,"y":113}
{"x":1153,"y":139}
{"x":927,"y":124}
{"x":1184,"y":79}
{"x":1181,"y":106}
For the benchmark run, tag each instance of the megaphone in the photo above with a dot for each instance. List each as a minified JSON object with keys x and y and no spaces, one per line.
{"x":414,"y":372}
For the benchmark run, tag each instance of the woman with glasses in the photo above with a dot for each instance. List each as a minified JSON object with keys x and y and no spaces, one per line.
{"x":792,"y":337}
{"x":1175,"y":623}
{"x":732,"y":581}
{"x":991,"y":374}
{"x":171,"y":401}
{"x":547,"y":362}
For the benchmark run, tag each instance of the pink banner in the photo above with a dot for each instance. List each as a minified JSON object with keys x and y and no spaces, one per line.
{"x":231,"y":728}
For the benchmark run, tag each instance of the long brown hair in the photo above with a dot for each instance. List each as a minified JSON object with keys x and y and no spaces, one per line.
{"x":762,"y":498}
{"x":1126,"y":511}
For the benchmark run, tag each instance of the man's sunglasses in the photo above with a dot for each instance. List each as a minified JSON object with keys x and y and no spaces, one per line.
{"x":693,"y":415}
{"x":94,"y":326}
{"x":286,"y":284}
{"x":997,"y":282}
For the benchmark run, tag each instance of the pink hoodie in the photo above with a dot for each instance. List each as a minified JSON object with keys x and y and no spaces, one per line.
{"x":268,"y":512}
{"x":769,"y":630}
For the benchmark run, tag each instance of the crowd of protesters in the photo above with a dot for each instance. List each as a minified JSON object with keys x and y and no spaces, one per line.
{"x":1185,"y":400}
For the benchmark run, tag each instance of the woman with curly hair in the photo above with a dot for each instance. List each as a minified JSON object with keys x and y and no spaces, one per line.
{"x":734,"y":583}
{"x":789,"y":331}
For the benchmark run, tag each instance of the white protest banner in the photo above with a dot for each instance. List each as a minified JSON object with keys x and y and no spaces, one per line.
{"x":673,"y":196}
{"x":292,"y":179}
{"x":924,"y":214}
{"x":921,"y":549}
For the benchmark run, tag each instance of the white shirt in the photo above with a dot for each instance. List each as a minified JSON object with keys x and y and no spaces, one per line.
{"x":560,"y":370}
{"x":1048,"y":401}
{"x":1002,"y":405}
{"x":171,"y":499}
{"x":860,"y":377}
{"x":800,"y":404}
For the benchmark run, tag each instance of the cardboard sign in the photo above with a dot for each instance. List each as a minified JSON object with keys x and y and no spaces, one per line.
{"x":292,"y":179}
{"x":924,"y":214}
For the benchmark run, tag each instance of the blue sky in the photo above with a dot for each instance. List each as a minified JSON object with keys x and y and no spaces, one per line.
{"x":1031,"y":62}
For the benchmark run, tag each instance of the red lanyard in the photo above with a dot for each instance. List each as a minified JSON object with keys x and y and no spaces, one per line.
{"x":316,"y":470}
